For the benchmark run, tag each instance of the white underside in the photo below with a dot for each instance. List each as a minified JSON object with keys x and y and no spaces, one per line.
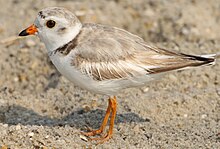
{"x":106,"y":87}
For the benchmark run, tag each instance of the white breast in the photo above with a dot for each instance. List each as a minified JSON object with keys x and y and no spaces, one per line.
{"x":63,"y":64}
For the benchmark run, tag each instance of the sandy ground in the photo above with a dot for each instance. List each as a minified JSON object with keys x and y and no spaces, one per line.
{"x":40,"y":108}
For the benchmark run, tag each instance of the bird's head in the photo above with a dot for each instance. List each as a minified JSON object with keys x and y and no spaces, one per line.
{"x":54,"y":26}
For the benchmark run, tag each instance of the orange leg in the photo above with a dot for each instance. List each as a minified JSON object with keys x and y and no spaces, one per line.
{"x":112,"y":106}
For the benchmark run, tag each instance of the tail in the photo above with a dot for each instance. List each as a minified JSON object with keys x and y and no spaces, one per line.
{"x":209,"y":59}
{"x":180,"y":61}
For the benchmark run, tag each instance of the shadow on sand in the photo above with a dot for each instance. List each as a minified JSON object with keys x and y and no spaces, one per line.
{"x":13,"y":115}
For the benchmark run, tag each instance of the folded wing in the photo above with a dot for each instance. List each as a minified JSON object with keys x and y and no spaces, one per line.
{"x":112,"y":53}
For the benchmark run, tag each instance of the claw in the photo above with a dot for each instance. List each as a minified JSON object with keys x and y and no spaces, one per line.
{"x":92,"y":132}
{"x":102,"y":139}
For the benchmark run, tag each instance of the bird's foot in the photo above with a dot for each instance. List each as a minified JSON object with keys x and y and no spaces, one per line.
{"x":92,"y":132}
{"x":110,"y":110}
{"x":101,"y":139}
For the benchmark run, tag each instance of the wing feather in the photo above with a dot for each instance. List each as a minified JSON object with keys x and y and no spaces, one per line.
{"x":105,"y":53}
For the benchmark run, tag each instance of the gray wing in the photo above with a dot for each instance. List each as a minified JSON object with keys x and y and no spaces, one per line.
{"x":111,"y":53}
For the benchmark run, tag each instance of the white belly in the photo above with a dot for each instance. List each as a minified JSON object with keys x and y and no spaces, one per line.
{"x":106,"y":87}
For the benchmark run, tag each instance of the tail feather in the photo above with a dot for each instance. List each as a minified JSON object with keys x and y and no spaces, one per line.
{"x":187,"y":61}
{"x":203,"y":59}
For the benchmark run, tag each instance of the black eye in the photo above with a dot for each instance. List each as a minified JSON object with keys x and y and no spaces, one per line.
{"x":50,"y":23}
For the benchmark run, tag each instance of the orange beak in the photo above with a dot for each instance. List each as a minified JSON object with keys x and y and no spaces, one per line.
{"x":31,"y":30}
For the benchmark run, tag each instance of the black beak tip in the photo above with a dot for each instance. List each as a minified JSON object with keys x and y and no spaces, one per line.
{"x":23,"y":33}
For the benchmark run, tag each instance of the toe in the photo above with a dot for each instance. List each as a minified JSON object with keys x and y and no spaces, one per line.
{"x":92,"y":132}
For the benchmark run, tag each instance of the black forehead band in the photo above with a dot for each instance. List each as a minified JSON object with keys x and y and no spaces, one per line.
{"x":41,"y":15}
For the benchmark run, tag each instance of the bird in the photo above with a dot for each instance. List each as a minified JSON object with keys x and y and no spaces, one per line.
{"x":104,"y":59}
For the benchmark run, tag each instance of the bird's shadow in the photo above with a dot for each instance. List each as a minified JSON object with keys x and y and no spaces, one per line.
{"x":13,"y":115}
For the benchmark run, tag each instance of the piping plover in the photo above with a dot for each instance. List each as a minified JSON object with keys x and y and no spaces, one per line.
{"x":104,"y":59}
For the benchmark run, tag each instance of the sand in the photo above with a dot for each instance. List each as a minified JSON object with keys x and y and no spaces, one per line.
{"x":39,"y":108}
